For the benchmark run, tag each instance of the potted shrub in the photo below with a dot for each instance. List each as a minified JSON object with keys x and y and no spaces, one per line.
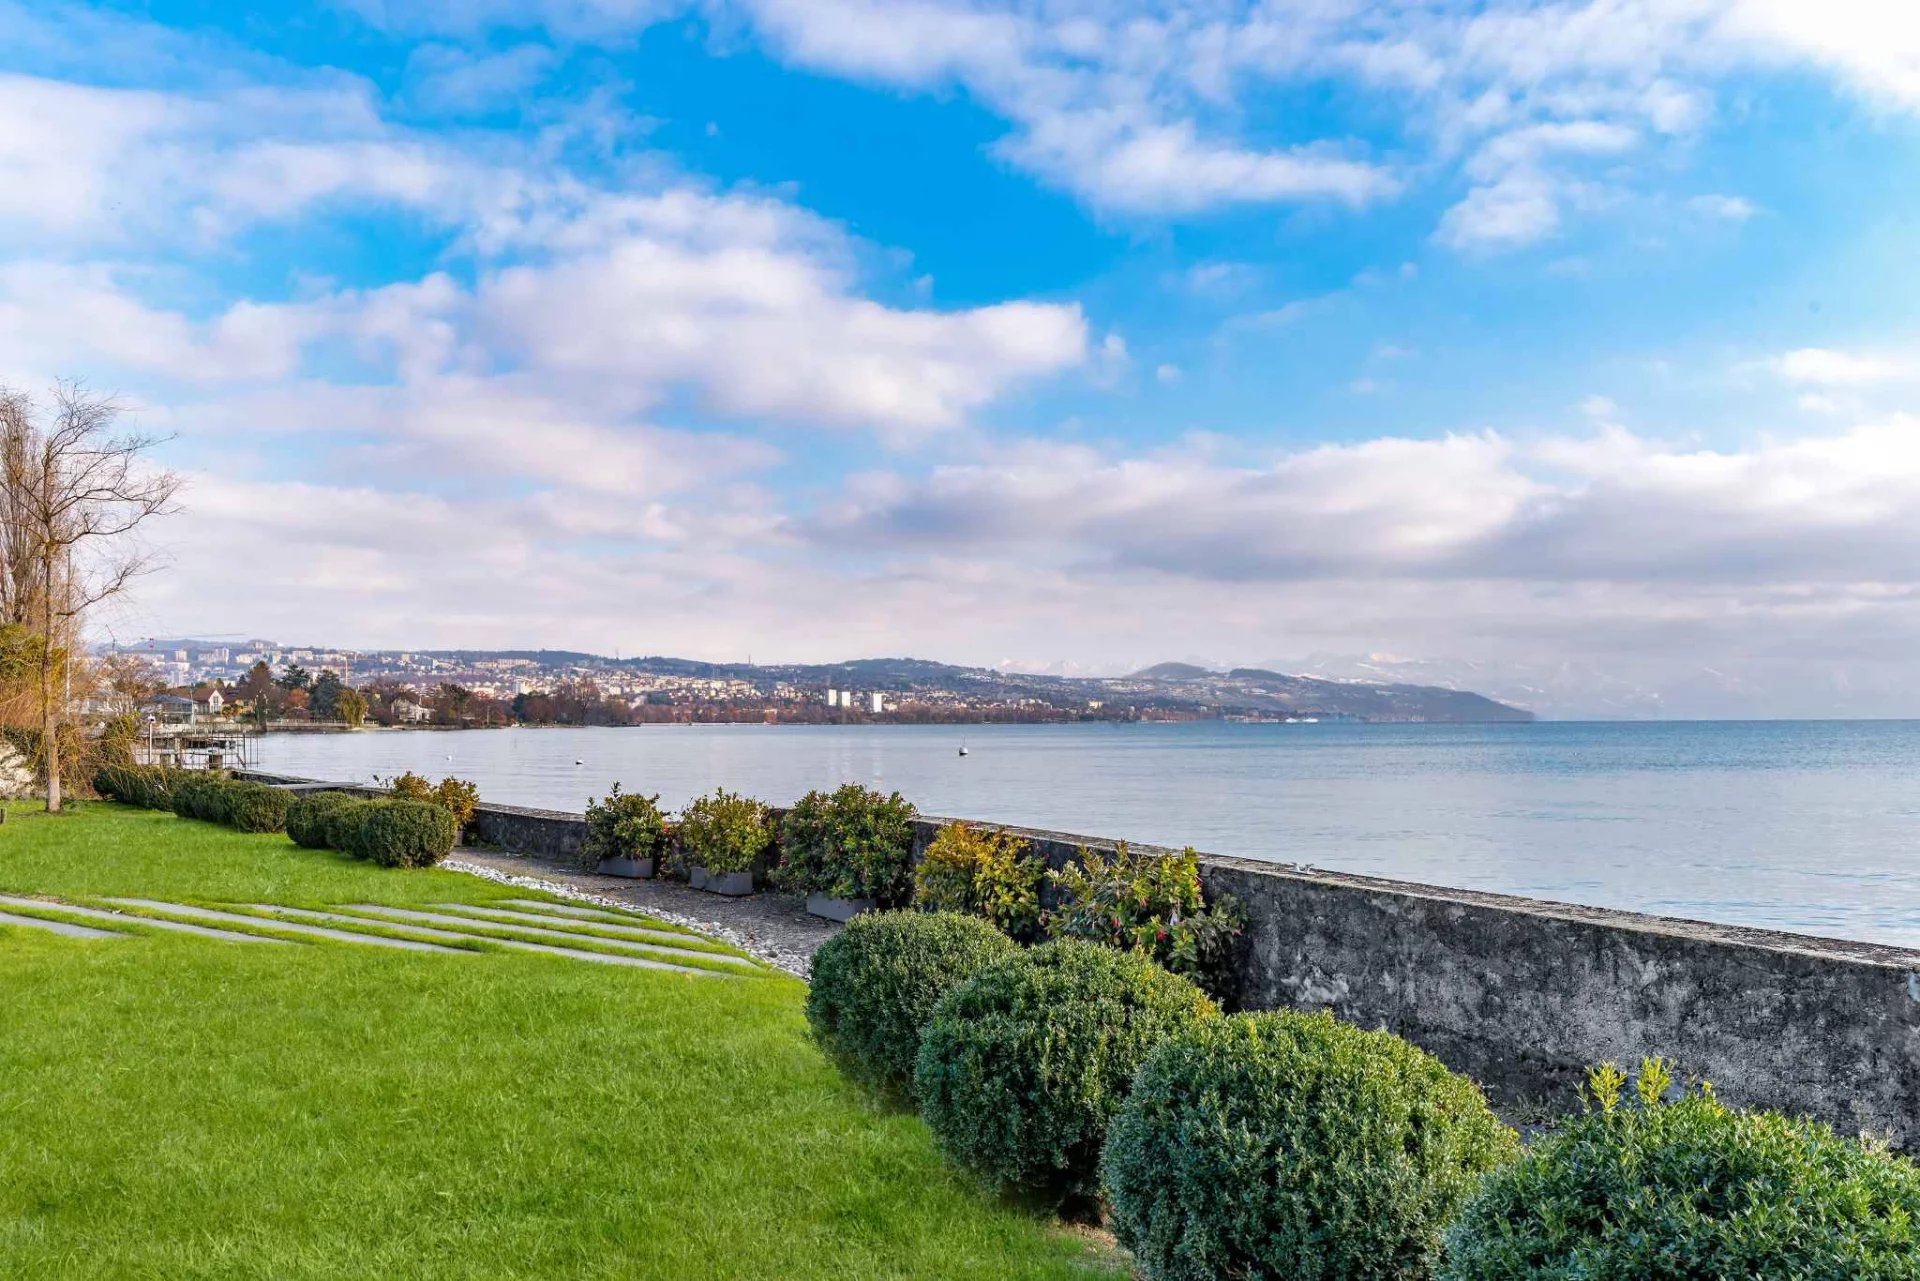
{"x":722,"y":836}
{"x":625,"y":834}
{"x":849,"y":851}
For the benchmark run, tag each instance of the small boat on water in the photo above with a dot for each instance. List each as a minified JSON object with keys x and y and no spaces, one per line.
{"x":963,"y":747}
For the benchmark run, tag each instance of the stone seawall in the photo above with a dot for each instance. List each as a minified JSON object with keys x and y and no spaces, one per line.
{"x":1523,"y":994}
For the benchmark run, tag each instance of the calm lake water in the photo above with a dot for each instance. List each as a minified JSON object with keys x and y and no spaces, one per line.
{"x":1808,"y":826}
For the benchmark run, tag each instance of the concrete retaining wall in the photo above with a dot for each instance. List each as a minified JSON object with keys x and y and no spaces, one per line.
{"x":1523,"y":995}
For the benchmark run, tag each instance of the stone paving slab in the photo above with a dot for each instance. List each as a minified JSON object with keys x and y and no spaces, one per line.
{"x":605,"y":958}
{"x":123,"y":918}
{"x":774,"y":927}
{"x":541,"y":907}
{"x":316,"y":931}
{"x":65,"y":929}
{"x":502,"y":916}
{"x":561,"y":936}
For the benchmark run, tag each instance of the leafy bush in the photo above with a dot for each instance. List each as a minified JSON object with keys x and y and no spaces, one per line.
{"x":458,"y":797}
{"x":624,"y":825}
{"x":1151,"y":904}
{"x":256,"y":807}
{"x":853,"y":843}
{"x":1661,"y":1191}
{"x":455,"y":795}
{"x":724,"y":832}
{"x":341,"y":825}
{"x":1294,"y":1145}
{"x":411,"y":787}
{"x":1022,"y":1066}
{"x":308,"y":815}
{"x":876,"y":983}
{"x":148,"y":786}
{"x":199,"y":794}
{"x":984,"y":873}
{"x":404,"y":834}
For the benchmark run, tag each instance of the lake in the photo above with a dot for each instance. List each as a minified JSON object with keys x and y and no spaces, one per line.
{"x":1798,"y":825}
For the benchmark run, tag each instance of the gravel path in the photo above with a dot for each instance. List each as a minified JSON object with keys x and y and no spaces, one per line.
{"x":770,"y":926}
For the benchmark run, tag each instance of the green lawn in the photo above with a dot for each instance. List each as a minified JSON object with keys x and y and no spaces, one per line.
{"x":183,"y":1107}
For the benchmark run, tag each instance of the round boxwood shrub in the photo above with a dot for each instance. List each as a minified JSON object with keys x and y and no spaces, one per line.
{"x":1661,"y":1191}
{"x":405,"y":834}
{"x":199,"y":795}
{"x":341,"y":825}
{"x":307,"y":817}
{"x":1022,"y":1067}
{"x":256,"y":807}
{"x":875,"y":985}
{"x":1294,"y":1145}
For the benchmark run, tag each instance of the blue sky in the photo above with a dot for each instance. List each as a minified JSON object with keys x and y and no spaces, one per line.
{"x":1564,"y":349}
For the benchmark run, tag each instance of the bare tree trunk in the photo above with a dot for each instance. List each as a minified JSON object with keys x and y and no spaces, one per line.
{"x":49,"y":717}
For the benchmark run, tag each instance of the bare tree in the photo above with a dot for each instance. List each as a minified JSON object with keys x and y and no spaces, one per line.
{"x":73,"y":487}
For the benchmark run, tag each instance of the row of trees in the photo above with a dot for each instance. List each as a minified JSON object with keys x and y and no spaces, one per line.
{"x":74,"y":489}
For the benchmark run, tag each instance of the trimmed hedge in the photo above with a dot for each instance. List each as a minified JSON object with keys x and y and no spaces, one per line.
{"x":341,"y":825}
{"x":255,"y":807}
{"x":307,"y":817}
{"x":148,"y":786}
{"x":200,"y":795}
{"x":1662,"y":1191}
{"x":1295,"y":1145}
{"x":1022,"y":1067}
{"x":405,"y":833}
{"x":876,"y":983}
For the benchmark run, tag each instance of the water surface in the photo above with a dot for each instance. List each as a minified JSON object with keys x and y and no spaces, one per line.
{"x":1808,"y":826}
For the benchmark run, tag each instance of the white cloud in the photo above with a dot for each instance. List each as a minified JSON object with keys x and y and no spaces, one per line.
{"x":452,"y":80}
{"x":1730,"y":208}
{"x":1824,"y":367}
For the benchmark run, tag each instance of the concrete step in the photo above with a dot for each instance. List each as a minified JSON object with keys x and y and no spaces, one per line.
{"x":605,"y":958}
{"x":315,"y":931}
{"x":65,"y":929}
{"x":502,"y":916}
{"x":554,"y":935}
{"x":587,"y":913}
{"x":122,"y":919}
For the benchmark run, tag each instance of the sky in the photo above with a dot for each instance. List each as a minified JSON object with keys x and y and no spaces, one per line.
{"x":1566,"y":350}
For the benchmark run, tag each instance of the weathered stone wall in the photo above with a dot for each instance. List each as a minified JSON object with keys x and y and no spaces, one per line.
{"x":1523,"y":994}
{"x":17,"y":777}
{"x":541,"y":833}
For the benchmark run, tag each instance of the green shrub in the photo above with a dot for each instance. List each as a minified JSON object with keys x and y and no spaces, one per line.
{"x":724,"y":832}
{"x":256,"y":807}
{"x":853,"y":843}
{"x":1660,"y":1191}
{"x":455,"y":795}
{"x":1151,"y":904}
{"x":624,"y":825}
{"x":148,"y":786}
{"x":983,"y":873}
{"x":404,"y":834}
{"x":342,"y":826}
{"x":308,"y":816}
{"x":1022,"y":1066}
{"x":458,"y":797}
{"x":199,"y":794}
{"x":410,"y":787}
{"x":1297,"y":1146}
{"x":876,"y":983}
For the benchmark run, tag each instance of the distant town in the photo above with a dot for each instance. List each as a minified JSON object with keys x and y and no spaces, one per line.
{"x":270,"y":682}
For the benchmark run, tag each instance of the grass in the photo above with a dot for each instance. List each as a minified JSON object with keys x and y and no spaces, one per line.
{"x":180,"y":1107}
